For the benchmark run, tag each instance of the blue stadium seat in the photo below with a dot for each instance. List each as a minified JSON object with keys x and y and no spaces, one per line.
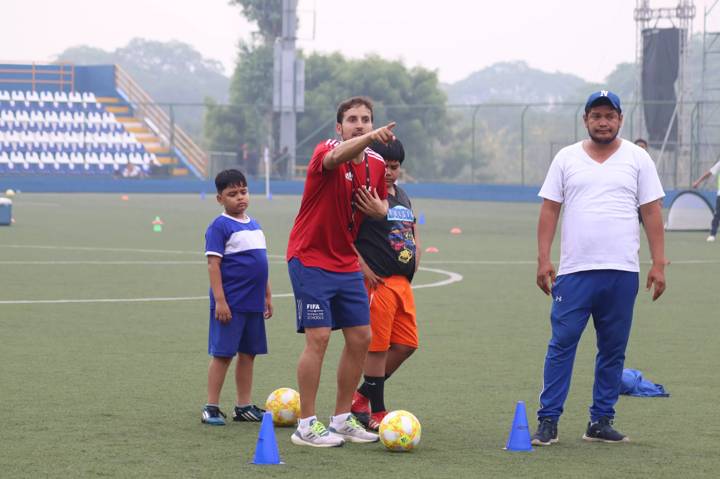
{"x":44,"y":132}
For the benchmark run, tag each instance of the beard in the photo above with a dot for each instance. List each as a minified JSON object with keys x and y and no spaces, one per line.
{"x":351,"y":133}
{"x":602,"y":141}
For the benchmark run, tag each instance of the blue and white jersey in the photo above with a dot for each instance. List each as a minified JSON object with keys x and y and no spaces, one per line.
{"x":244,"y":265}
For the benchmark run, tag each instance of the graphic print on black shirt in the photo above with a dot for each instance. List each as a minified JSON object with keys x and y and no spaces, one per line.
{"x":388,"y":245}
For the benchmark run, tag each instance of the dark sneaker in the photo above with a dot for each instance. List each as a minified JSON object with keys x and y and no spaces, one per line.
{"x":375,"y":420}
{"x":602,"y":431}
{"x":361,"y":408}
{"x":213,"y":416}
{"x":547,"y":432}
{"x":250,"y":413}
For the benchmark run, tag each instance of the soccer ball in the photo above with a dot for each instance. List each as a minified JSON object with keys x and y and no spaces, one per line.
{"x":9,"y":192}
{"x":284,"y":404}
{"x":400,"y":431}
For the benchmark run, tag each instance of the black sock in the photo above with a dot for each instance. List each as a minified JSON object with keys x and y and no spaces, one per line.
{"x":374,"y":389}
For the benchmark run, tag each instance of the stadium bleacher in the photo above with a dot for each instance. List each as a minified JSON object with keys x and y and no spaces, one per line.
{"x":56,"y":132}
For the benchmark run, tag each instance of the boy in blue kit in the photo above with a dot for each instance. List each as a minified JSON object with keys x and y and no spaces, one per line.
{"x":240,"y":298}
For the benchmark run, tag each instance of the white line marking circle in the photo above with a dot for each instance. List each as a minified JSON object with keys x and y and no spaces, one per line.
{"x":451,"y":278}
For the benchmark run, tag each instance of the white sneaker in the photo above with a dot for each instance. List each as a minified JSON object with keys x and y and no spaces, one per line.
{"x":352,"y":431}
{"x":316,"y":436}
{"x":710,"y":238}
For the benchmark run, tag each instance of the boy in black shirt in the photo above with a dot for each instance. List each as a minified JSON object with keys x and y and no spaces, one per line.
{"x":388,"y":254}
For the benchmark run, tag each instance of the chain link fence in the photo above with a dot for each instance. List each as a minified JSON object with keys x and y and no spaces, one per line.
{"x":502,"y":143}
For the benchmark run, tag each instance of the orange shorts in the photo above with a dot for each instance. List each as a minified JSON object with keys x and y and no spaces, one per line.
{"x":392,"y":314}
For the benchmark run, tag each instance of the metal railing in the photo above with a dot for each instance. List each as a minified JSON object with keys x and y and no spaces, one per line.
{"x":40,"y":75}
{"x":171,"y":134}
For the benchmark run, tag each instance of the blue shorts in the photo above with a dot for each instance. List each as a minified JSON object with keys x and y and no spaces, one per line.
{"x":324,"y":299}
{"x":244,"y":333}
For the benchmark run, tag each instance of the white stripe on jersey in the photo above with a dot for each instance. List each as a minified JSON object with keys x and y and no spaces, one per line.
{"x":245,"y":240}
{"x":374,"y":154}
{"x":332,"y":142}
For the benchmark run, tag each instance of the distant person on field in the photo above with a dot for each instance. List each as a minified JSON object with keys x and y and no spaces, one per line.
{"x":389,"y":257}
{"x":644,"y":145}
{"x":280,"y":162}
{"x":598,"y":183}
{"x":131,"y":171}
{"x":240,"y":299}
{"x":641,"y":143}
{"x":714,"y":170}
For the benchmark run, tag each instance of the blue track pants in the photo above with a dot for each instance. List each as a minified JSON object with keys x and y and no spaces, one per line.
{"x":609,"y":297}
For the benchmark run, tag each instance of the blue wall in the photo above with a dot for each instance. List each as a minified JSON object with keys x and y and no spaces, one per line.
{"x":99,"y":79}
{"x":477,"y":192}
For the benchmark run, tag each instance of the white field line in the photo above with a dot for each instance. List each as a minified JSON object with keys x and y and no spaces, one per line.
{"x":36,"y":203}
{"x":451,"y":278}
{"x":533,"y":262}
{"x":117,"y":250}
{"x":281,"y":257}
{"x":159,"y":262}
{"x":109,"y":262}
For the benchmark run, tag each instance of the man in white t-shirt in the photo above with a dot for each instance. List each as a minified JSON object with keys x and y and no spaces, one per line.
{"x":600,"y":182}
{"x":714,"y":170}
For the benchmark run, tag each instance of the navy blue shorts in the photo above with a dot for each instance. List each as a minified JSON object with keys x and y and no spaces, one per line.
{"x":244,"y":333}
{"x":324,"y":299}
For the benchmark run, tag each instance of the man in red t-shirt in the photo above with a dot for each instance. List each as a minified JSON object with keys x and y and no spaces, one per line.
{"x":345,"y":183}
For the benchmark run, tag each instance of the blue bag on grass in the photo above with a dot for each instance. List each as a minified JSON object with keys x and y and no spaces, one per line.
{"x":633,"y":384}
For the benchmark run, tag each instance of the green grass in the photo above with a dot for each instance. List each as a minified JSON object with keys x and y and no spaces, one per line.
{"x":115,"y":389}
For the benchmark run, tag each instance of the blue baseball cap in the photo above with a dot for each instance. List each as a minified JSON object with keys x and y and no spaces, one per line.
{"x":603,"y":97}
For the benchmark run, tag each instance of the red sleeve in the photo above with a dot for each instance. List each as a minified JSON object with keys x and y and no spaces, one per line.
{"x":316,"y":162}
{"x":382,"y":187}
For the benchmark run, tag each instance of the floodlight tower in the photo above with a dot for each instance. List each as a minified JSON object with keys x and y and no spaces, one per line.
{"x":681,"y":17}
{"x":288,"y":83}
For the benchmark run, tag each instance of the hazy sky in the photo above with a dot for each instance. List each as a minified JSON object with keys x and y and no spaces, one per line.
{"x":455,"y":37}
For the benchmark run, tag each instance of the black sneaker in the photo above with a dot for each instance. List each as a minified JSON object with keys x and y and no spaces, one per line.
{"x":602,"y":431}
{"x":213,"y":416}
{"x":250,"y":413}
{"x":547,"y":432}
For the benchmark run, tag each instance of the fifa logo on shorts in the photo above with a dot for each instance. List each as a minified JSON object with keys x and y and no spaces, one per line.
{"x":558,"y":299}
{"x":313,"y":312}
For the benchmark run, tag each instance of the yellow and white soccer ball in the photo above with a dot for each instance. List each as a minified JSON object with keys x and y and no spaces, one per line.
{"x":400,"y":431}
{"x":9,"y":192}
{"x":284,"y":404}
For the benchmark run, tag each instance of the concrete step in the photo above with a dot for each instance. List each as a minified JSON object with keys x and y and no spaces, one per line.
{"x":129,"y":119}
{"x":146,"y":137}
{"x":166,"y":160}
{"x":107,"y":99}
{"x":137,"y":128}
{"x":118,"y":109}
{"x":155,"y":148}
